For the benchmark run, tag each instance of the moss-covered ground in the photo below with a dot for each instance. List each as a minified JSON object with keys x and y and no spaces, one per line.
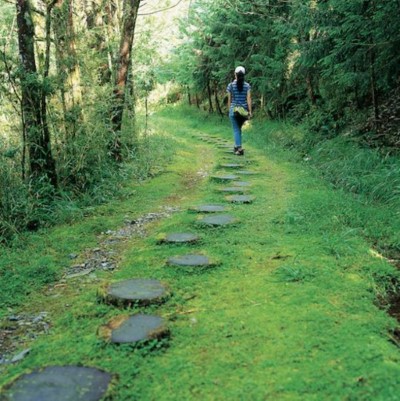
{"x":289,"y":312}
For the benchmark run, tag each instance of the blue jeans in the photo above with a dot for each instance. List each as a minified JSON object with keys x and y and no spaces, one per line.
{"x":237,"y":129}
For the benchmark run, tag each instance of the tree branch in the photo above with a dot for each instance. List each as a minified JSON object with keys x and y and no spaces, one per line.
{"x":161,"y":10}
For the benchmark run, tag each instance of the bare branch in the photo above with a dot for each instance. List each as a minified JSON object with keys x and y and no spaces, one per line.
{"x":161,"y":10}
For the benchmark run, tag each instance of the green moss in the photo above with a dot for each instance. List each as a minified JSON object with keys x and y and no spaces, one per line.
{"x":288,"y":314}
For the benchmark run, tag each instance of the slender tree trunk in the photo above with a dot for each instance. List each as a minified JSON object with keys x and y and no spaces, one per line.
{"x":197,"y":101}
{"x":189,"y":96}
{"x":210,"y":105}
{"x":147,"y":112}
{"x":130,"y":98}
{"x":131,"y":8}
{"x":374,"y":92}
{"x":41,"y":162}
{"x":310,"y":89}
{"x":109,"y":32}
{"x":68,"y":67}
{"x":262,"y":103}
{"x":217,"y":103}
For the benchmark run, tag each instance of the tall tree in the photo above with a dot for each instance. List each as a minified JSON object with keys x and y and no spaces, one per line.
{"x":41,"y":162}
{"x":130,"y":13}
{"x":68,"y":66}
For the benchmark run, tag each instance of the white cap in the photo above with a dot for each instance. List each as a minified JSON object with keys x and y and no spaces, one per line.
{"x":240,"y":69}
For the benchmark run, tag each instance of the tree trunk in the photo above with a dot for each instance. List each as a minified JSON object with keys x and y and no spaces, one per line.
{"x":210,"y":105}
{"x":217,"y":104}
{"x":131,"y":8}
{"x":41,"y":162}
{"x":197,"y":101}
{"x":68,"y":67}
{"x":374,"y":92}
{"x":310,"y":89}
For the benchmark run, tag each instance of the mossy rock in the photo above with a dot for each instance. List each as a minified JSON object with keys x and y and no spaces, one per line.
{"x":190,"y":260}
{"x":241,"y":184}
{"x":240,"y":198}
{"x":136,"y":329}
{"x":246,"y":172}
{"x":237,"y":190}
{"x":218,"y":220}
{"x":59,"y":383}
{"x":208,"y":209}
{"x":225,"y":177}
{"x":231,"y":165}
{"x":179,"y":238}
{"x":141,"y":292}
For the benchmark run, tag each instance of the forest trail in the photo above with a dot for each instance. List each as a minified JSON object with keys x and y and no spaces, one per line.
{"x":285,"y":311}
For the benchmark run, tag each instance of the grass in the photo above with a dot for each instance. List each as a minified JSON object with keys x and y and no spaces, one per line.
{"x":288,"y":313}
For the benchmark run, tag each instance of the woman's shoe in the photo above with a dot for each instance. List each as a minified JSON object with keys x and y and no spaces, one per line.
{"x":239,"y":152}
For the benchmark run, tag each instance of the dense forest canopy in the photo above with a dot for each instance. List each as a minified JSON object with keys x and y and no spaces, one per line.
{"x":76,"y":78}
{"x":331,"y":61}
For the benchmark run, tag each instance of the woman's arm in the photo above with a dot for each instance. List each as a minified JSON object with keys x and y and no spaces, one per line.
{"x":229,"y":100}
{"x":249,"y":104}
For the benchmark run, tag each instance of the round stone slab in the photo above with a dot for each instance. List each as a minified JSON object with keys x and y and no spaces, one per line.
{"x":227,"y":177}
{"x":233,"y":189}
{"x":138,"y":328}
{"x":61,"y":383}
{"x":241,"y":183}
{"x":209,"y":209}
{"x":240,"y":198}
{"x":231,"y":165}
{"x":245,"y":172}
{"x":181,"y":238}
{"x":218,"y":220}
{"x":141,"y":291}
{"x":191,"y":260}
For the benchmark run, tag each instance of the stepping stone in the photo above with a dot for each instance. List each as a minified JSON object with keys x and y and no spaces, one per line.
{"x":231,"y":165}
{"x":135,"y":291}
{"x":61,"y":383}
{"x":209,"y":209}
{"x":233,"y":189}
{"x":132,"y":329}
{"x":180,"y":238}
{"x":241,"y":183}
{"x":228,"y":151}
{"x":227,"y":177}
{"x":245,"y":172}
{"x":191,"y":260}
{"x":240,"y":198}
{"x":218,"y":220}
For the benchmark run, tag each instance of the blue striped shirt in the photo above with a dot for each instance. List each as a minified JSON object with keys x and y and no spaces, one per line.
{"x":238,"y":98}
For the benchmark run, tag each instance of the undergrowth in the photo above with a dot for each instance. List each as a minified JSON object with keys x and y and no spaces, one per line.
{"x":371,"y":177}
{"x":96,"y":181}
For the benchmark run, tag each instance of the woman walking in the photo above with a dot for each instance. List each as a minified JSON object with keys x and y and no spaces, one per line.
{"x":240,"y":107}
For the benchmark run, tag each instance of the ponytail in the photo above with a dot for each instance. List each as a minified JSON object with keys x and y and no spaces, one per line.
{"x":240,"y":81}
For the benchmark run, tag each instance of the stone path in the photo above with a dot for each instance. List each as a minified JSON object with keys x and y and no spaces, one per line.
{"x":90,"y":384}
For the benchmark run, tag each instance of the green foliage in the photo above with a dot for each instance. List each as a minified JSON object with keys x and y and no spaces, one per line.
{"x":319,"y":61}
{"x":87,"y":178}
